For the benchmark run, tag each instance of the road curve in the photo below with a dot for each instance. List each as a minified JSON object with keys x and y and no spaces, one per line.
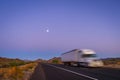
{"x":61,"y":72}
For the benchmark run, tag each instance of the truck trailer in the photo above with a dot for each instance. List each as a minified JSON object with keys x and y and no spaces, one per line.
{"x":81,"y":57}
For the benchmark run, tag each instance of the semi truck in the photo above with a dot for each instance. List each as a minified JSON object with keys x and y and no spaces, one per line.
{"x":81,"y":57}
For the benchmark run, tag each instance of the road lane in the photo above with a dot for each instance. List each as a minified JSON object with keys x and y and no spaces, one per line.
{"x":74,"y":72}
{"x":61,"y":72}
{"x":53,"y":73}
{"x":99,"y":73}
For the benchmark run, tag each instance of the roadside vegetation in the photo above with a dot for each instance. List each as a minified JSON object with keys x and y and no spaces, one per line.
{"x":55,"y":60}
{"x":112,"y":62}
{"x":6,"y":62}
{"x":15,"y":69}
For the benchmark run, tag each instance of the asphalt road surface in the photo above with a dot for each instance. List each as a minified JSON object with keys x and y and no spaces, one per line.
{"x":61,"y":72}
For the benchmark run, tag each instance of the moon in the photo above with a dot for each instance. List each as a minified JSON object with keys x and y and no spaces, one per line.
{"x":47,"y":30}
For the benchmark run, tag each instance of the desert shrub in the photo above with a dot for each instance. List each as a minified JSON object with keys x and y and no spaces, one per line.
{"x":6,"y":62}
{"x":13,"y":73}
{"x":28,"y":66}
{"x":55,"y":61}
{"x":15,"y":63}
{"x":118,"y":63}
{"x":14,"y":69}
{"x":108,"y":61}
{"x":16,"y":72}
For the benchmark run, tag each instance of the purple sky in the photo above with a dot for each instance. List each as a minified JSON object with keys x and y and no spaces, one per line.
{"x":91,"y":24}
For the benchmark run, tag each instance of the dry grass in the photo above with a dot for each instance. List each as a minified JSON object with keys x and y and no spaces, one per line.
{"x":117,"y":65}
{"x":17,"y":72}
{"x":112,"y":66}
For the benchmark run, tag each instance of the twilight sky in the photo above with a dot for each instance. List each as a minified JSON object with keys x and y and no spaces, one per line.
{"x":91,"y":24}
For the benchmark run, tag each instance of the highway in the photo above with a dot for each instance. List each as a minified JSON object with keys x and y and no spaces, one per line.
{"x":61,"y":72}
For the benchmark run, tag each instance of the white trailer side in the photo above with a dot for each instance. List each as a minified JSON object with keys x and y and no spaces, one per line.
{"x":83,"y":57}
{"x":70,"y":56}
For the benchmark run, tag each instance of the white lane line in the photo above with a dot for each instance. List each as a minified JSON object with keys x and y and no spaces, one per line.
{"x":74,"y":72}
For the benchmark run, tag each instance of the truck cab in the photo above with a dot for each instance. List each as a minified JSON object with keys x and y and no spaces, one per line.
{"x":89,"y":58}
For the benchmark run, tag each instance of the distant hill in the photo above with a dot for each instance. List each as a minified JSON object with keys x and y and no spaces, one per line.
{"x":8,"y":62}
{"x":41,"y":60}
{"x":56,"y":60}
